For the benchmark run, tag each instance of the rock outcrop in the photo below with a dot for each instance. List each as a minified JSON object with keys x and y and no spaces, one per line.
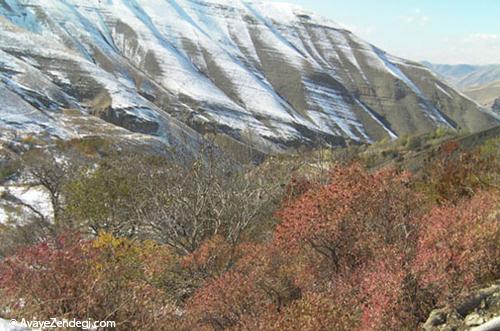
{"x":496,"y":105}
{"x":478,"y":312}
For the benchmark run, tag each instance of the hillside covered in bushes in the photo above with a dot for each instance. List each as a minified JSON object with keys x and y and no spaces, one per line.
{"x":362,"y":238}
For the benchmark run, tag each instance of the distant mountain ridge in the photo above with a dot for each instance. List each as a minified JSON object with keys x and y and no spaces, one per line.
{"x":267,"y":74}
{"x":480,"y":82}
{"x":465,"y":76}
{"x":487,"y":95}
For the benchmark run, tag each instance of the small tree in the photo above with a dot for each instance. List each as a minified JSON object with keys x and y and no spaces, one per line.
{"x":180,"y":205}
{"x":45,"y":170}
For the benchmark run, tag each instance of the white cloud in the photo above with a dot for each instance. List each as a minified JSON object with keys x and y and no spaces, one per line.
{"x":476,"y":48}
{"x":417,"y":17}
{"x":481,"y":37}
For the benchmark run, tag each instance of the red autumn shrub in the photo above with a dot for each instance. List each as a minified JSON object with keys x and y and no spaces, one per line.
{"x":363,"y":252}
{"x":259,"y":284}
{"x":39,"y":274}
{"x":223,"y":302}
{"x":449,"y":148}
{"x":212,"y":258}
{"x":458,"y":247}
{"x":360,"y":253}
{"x":324,"y":248}
{"x":333,"y":310}
{"x":297,"y":187}
{"x":387,"y":295}
{"x":347,"y":220}
{"x":105,"y":279}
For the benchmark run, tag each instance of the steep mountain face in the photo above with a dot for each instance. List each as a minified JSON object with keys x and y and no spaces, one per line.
{"x":266,"y":74}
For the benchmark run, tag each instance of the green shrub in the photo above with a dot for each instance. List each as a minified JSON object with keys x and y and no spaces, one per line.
{"x":7,"y":170}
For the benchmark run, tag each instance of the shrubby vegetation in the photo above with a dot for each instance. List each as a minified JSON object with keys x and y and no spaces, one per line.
{"x":328,"y":242}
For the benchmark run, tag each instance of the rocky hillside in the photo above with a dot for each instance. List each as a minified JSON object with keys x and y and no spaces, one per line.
{"x":272,"y":75}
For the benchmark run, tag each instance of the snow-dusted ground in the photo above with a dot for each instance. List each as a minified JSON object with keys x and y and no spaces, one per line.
{"x":36,"y":197}
{"x":5,"y":325}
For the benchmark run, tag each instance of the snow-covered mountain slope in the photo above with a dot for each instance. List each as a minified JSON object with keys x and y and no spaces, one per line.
{"x":269,"y":74}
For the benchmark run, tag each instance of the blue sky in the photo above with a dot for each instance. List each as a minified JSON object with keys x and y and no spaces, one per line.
{"x":441,"y":31}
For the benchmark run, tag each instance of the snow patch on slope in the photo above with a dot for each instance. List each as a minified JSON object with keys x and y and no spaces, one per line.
{"x":332,"y":110}
{"x":391,"y":133}
{"x":35,"y":197}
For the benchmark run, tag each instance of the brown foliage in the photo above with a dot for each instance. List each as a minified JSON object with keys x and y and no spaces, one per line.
{"x":456,"y":174}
